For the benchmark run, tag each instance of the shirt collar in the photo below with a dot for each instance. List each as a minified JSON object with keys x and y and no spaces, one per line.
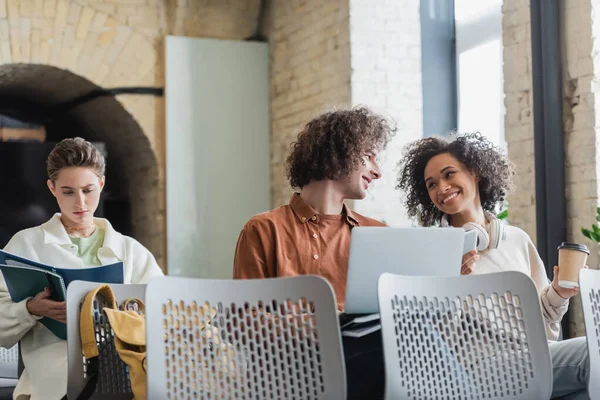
{"x":350,"y":217}
{"x":55,"y":233}
{"x":304,"y":212}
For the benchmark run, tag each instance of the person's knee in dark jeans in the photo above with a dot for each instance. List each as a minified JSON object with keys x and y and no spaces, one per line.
{"x":365,"y":370}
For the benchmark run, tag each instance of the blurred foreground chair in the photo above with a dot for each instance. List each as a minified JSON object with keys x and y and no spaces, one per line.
{"x":275,"y":338}
{"x":9,"y":360}
{"x":589,"y":283}
{"x":467,"y":337}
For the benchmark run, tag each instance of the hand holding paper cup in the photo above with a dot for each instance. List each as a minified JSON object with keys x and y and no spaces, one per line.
{"x":572,"y":257}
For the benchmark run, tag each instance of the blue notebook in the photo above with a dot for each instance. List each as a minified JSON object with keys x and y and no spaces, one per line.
{"x":25,"y":278}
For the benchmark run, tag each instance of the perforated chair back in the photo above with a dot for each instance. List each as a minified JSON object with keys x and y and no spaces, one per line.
{"x":113,"y":375}
{"x":273,"y":338}
{"x":467,"y":337}
{"x":9,"y":359}
{"x":589,"y":282}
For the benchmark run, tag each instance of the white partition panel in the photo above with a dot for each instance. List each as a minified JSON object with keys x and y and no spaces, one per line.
{"x":217,"y":149}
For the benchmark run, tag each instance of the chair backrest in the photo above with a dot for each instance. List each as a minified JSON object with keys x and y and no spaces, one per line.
{"x":20,"y":365}
{"x":589,"y":281}
{"x":113,"y":376}
{"x":9,"y":359}
{"x":468,"y":337}
{"x":273,"y":338}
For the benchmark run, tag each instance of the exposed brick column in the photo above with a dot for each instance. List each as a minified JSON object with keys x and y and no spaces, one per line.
{"x":580,"y":71}
{"x":310,"y":73}
{"x":342,"y":53}
{"x":518,"y":121}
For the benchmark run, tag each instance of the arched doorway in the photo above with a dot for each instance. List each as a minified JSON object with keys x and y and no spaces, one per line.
{"x":44,"y":94}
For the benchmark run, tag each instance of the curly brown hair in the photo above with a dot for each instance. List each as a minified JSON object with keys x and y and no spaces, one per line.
{"x":332,"y":145}
{"x":478,"y":154}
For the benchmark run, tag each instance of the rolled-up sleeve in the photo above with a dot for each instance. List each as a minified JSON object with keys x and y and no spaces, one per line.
{"x":554,"y":307}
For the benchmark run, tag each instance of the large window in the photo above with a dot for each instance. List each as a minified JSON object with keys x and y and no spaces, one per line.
{"x":480,"y":80}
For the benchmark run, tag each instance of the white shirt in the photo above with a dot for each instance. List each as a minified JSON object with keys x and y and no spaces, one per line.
{"x":517,"y":253}
{"x":44,"y":354}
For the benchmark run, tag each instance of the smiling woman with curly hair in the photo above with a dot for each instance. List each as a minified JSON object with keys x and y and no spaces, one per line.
{"x":458,"y":181}
{"x":478,"y":155}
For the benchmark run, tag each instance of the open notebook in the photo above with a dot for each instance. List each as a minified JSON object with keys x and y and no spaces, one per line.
{"x":25,"y":278}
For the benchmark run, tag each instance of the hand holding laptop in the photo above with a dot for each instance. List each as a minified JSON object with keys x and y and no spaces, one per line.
{"x":468,"y":262}
{"x":470,"y":253}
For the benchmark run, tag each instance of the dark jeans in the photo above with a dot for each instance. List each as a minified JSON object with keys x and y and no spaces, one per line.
{"x":6,"y":393}
{"x":365,"y":371}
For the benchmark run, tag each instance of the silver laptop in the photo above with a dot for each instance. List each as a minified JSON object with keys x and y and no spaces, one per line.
{"x":402,"y":251}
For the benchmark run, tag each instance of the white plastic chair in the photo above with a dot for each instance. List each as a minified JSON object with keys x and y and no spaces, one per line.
{"x":9,"y":359}
{"x":589,"y":284}
{"x":273,"y":338}
{"x":467,"y":337}
{"x":113,"y":375}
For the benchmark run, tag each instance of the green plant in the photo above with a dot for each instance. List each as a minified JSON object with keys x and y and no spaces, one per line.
{"x":594,"y":233}
{"x":503,"y":214}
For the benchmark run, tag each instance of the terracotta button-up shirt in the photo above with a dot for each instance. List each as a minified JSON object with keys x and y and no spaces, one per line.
{"x":294,"y":240}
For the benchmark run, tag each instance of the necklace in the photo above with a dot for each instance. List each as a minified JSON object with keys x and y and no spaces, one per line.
{"x":71,"y":228}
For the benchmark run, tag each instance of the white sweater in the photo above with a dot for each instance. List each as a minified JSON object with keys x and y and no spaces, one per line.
{"x":44,"y":354}
{"x":517,"y":253}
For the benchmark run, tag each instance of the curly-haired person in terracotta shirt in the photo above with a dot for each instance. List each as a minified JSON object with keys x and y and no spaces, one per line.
{"x":333,"y":159}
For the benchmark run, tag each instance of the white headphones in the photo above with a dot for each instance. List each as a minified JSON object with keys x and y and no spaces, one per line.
{"x":485,"y":240}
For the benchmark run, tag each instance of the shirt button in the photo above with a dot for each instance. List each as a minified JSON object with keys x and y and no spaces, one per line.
{"x":314,"y":217}
{"x":315,"y":235}
{"x":315,"y":256}
{"x":303,"y":219}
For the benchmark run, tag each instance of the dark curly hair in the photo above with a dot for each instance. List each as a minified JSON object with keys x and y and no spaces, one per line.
{"x":332,"y":145}
{"x":478,"y":154}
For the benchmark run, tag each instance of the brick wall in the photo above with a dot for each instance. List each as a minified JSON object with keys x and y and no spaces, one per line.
{"x":310,"y":73}
{"x":518,"y":121}
{"x":120,"y":43}
{"x":343,"y":53}
{"x":385,"y":39}
{"x":580,"y":69}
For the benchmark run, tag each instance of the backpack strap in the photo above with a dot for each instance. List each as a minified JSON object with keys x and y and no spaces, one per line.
{"x":134,"y":300}
{"x":86,"y":320}
{"x":87,"y":334}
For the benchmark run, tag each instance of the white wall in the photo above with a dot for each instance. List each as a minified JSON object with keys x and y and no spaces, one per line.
{"x":385,"y":43}
{"x":217,"y":149}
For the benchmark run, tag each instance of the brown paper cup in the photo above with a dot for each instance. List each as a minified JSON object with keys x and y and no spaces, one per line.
{"x":571,"y":259}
